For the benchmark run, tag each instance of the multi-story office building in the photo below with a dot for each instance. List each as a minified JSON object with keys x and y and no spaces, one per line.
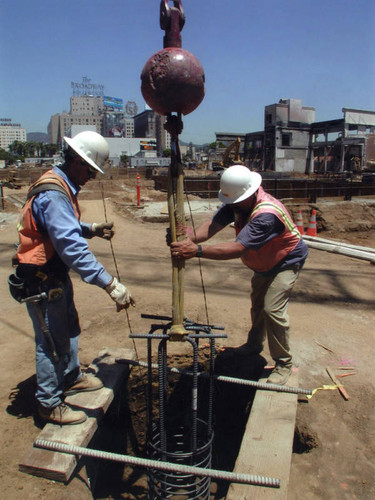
{"x":91,"y":111}
{"x":151,"y":124}
{"x":86,"y":105}
{"x":84,"y":110}
{"x":129,"y":127}
{"x":10,"y":132}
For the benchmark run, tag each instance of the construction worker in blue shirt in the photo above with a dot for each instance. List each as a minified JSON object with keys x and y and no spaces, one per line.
{"x":53,"y":241}
{"x":269,"y":243}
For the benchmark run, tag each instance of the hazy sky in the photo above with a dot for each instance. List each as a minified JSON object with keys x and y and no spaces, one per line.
{"x":253,"y":54}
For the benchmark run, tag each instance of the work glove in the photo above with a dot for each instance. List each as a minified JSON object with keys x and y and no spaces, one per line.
{"x":103,"y":230}
{"x":120,"y":294}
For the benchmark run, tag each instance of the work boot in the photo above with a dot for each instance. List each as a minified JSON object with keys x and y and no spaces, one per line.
{"x":280,"y":374}
{"x":85,"y":384}
{"x":62,"y":415}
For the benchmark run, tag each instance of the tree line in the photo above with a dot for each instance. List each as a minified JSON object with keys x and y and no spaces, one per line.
{"x":19,"y":150}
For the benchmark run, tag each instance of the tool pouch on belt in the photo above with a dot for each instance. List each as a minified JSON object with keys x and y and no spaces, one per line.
{"x":17,"y":287}
{"x":26,"y":281}
{"x":29,"y":280}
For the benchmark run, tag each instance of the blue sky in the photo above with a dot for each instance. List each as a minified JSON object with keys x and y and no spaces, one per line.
{"x":253,"y":54}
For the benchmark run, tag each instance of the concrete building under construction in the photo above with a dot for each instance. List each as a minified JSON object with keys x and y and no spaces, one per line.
{"x":292,"y":141}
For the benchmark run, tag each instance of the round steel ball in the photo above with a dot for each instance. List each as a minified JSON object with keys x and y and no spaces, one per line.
{"x":173,"y":81}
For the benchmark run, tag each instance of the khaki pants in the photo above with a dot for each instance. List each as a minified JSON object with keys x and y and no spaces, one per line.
{"x":269,"y":313}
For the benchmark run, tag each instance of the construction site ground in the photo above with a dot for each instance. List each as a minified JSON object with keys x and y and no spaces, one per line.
{"x":332,"y":325}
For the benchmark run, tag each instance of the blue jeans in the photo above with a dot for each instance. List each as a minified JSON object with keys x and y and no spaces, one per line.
{"x":62,"y":321}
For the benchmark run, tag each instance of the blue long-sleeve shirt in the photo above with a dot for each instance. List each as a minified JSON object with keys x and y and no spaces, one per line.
{"x":54,"y":214}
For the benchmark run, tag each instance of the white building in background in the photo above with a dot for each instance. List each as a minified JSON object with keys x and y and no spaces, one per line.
{"x":144,"y":147}
{"x":10,"y":132}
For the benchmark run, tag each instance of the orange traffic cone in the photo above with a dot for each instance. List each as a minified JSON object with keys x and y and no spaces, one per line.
{"x":299,"y":222}
{"x":311,"y":230}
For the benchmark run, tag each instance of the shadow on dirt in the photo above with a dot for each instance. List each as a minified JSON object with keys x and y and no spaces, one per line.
{"x":22,"y":399}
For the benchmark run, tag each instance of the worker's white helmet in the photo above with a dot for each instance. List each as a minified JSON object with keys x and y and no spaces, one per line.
{"x":90,"y":146}
{"x":238,"y":183}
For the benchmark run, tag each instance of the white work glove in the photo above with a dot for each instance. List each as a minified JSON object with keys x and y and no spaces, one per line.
{"x":103,"y":230}
{"x":120,"y":294}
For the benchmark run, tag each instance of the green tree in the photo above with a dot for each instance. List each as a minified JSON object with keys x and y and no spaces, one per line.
{"x":166,"y":153}
{"x":18,"y":148}
{"x":124,"y":159}
{"x":8,"y":157}
{"x":30,"y":148}
{"x":187,"y":157}
{"x":50,"y":149}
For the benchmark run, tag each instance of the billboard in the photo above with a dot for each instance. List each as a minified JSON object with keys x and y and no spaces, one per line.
{"x":112,"y":102}
{"x":114,"y":124}
{"x":148,"y":145}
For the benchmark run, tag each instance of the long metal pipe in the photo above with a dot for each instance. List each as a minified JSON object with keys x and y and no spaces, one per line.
{"x":224,"y":378}
{"x":340,"y":243}
{"x":348,"y":252}
{"x":159,"y":465}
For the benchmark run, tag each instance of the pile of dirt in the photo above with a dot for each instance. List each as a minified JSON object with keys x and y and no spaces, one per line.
{"x":350,"y":221}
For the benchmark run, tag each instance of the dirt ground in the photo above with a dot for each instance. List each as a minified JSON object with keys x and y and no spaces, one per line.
{"x":332,"y":325}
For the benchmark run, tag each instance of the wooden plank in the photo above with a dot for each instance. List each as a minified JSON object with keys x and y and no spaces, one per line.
{"x":339,"y":385}
{"x":60,"y":466}
{"x":267,"y":444}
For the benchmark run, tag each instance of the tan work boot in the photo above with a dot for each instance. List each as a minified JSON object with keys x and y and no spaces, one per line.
{"x":85,"y":384}
{"x":62,"y":415}
{"x":280,"y":375}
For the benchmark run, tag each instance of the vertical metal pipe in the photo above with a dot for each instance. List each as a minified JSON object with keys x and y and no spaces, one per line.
{"x":176,"y":219}
{"x":180,"y":220}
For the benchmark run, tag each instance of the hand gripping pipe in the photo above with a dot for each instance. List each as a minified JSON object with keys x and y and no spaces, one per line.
{"x":159,"y":465}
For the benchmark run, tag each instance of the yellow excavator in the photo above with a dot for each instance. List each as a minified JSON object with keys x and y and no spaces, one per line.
{"x":228,"y":158}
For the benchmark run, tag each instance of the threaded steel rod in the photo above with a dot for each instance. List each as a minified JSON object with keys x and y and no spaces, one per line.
{"x":194,"y":396}
{"x":162,"y":372}
{"x":165,"y":335}
{"x":155,"y":464}
{"x":233,"y":380}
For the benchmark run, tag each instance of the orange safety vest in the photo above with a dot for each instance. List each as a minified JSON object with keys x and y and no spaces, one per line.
{"x":269,"y":255}
{"x":36,"y":247}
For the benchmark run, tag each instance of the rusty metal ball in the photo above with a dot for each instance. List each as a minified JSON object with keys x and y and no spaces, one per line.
{"x":173,"y":81}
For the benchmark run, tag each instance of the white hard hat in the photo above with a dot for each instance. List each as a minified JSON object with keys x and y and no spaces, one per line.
{"x":238,"y":183}
{"x":90,"y":146}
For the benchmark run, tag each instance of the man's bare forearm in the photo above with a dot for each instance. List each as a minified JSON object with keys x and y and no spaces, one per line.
{"x":205,"y":231}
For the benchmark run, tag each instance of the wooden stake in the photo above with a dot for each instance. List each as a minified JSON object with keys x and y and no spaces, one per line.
{"x":336,"y":382}
{"x":324,"y":347}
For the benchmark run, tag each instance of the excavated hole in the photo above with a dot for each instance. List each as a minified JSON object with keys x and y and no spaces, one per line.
{"x":304,"y":439}
{"x":124,"y":427}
